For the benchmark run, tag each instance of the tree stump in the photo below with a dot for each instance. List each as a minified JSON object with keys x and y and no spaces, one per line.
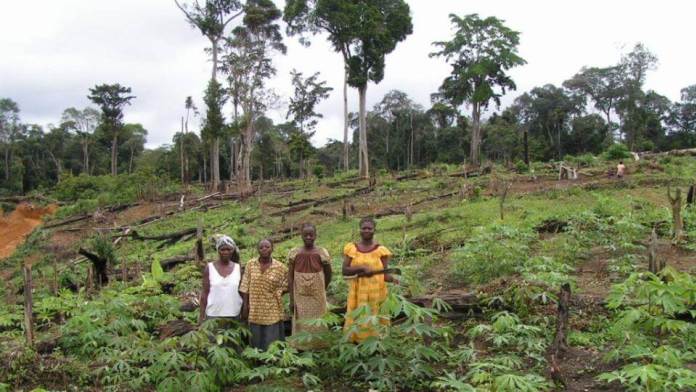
{"x":560,"y":340}
{"x":503,"y":196}
{"x":28,"y":306}
{"x":652,"y":253}
{"x":677,"y":221}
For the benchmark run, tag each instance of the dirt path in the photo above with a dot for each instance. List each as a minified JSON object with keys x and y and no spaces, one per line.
{"x":15,"y":226}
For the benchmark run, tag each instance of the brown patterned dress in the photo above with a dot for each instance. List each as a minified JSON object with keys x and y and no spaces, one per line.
{"x":309,"y":289}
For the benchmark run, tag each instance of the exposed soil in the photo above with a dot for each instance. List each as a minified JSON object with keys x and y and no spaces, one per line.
{"x":592,"y":276}
{"x":680,"y":259}
{"x":581,"y":366}
{"x":18,"y":224}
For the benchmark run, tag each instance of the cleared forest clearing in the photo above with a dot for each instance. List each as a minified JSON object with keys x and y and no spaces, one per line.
{"x":491,"y":285}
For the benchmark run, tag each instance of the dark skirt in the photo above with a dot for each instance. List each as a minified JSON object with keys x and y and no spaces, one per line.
{"x":263,"y":335}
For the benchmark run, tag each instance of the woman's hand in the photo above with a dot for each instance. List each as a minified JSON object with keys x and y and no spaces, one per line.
{"x":364,"y":271}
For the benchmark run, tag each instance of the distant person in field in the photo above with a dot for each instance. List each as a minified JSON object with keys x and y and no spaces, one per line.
{"x":264,"y":282}
{"x":368,"y":289}
{"x":308,"y":278}
{"x":220,"y":297}
{"x":620,"y":169}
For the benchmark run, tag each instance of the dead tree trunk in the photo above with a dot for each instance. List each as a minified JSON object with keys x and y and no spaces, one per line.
{"x":28,"y":307}
{"x":200,"y":253}
{"x":654,"y":265}
{"x":677,"y":221}
{"x":560,"y":342}
{"x":503,"y":196}
{"x":99,"y":265}
{"x":124,"y":271}
{"x":691,"y":196}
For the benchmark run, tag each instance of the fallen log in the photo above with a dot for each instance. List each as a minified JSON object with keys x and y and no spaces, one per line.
{"x":169,"y":264}
{"x":409,"y":176}
{"x":68,"y":221}
{"x":170,"y":237}
{"x":472,"y":173}
{"x":175,"y":328}
{"x":436,"y":197}
{"x":322,"y":201}
{"x":207,"y":197}
{"x":676,"y":153}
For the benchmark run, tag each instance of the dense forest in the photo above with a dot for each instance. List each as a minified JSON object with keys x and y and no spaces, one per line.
{"x":593,"y":109}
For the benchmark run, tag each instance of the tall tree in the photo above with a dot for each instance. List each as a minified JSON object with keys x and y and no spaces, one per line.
{"x":364,"y":32}
{"x":111,"y":98}
{"x":601,"y":85}
{"x":214,"y":123}
{"x":308,"y":93}
{"x":56,"y":143}
{"x":9,"y":123}
{"x":547,"y":112}
{"x":682,"y":117}
{"x":83,"y":123}
{"x":480,"y":53}
{"x":248,"y":64}
{"x":212,"y":18}
{"x":135,"y":137}
{"x":635,"y":66}
{"x":183,"y":151}
{"x":398,"y":111}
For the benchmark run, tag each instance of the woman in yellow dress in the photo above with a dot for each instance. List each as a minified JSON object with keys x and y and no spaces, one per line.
{"x":367,"y":289}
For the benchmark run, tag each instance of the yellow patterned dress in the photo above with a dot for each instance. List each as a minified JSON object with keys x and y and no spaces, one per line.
{"x":366,"y":291}
{"x":309,"y":291}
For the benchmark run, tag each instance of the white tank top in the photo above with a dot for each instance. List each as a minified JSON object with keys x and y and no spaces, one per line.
{"x":224,"y":299}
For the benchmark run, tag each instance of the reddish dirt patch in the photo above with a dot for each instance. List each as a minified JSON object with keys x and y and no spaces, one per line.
{"x":18,"y":224}
{"x":138,"y":212}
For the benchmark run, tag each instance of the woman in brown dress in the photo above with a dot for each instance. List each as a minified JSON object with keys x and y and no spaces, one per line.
{"x":309,"y":275}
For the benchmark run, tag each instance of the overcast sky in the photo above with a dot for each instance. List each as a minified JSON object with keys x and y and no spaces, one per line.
{"x":52,"y":51}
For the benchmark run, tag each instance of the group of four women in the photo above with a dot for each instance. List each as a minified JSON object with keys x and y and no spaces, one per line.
{"x":255,"y":296}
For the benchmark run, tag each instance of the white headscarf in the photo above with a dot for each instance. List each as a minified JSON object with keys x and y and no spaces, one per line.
{"x":225,"y":240}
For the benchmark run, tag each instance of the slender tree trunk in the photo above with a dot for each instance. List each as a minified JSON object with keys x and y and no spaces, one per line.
{"x":57,"y":163}
{"x":216,"y":163}
{"x":181,"y":152}
{"x":475,"y":147}
{"x":214,"y":44}
{"x":365,"y":168}
{"x":526,"y":147}
{"x":231,"y":145}
{"x":215,"y":148}
{"x":413,"y":139}
{"x":346,"y":155}
{"x":85,"y":157}
{"x":130,"y":163}
{"x":205,"y":168}
{"x":114,"y":156}
{"x":244,"y":158}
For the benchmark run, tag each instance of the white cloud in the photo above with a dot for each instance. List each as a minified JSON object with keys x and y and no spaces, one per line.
{"x":53,"y":51}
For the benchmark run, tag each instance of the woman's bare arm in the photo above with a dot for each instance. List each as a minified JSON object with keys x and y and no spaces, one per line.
{"x":348,"y":270}
{"x":203,"y":300}
{"x":385,"y":265}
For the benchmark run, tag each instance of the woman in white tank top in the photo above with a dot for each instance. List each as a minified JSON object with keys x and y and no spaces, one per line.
{"x":220,"y":297}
